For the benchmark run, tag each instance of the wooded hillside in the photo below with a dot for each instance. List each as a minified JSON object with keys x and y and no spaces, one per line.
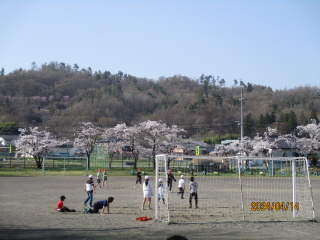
{"x":57,"y":96}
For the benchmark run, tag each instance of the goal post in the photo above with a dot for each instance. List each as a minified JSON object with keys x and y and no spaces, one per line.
{"x":235,"y":189}
{"x":162,"y":209}
{"x":64,"y":164}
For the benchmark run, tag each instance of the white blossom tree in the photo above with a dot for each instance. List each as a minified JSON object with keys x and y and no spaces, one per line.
{"x":308,"y":139}
{"x":35,"y":143}
{"x":259,"y":144}
{"x":129,"y":137}
{"x":171,"y":140}
{"x":155,"y":132}
{"x":226,"y":150}
{"x":264,"y":143}
{"x":146,"y":153}
{"x":234,"y":148}
{"x":86,"y":138}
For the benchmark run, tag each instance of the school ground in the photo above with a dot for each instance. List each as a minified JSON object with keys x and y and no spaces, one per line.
{"x":27,"y":212}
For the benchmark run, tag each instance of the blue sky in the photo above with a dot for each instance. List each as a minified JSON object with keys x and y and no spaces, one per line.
{"x":273,"y":43}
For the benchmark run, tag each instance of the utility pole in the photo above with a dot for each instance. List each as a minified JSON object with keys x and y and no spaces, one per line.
{"x":241,"y":120}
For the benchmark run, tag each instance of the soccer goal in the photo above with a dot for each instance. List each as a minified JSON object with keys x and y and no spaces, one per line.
{"x":235,"y":189}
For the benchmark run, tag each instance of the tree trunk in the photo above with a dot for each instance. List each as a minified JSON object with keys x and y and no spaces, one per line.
{"x":168,"y":163}
{"x":110,"y":159}
{"x":135,"y":158}
{"x":135,"y":155}
{"x":38,"y":160}
{"x":88,"y":156}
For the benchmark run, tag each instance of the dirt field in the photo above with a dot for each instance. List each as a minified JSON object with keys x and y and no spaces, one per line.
{"x":28,"y":213}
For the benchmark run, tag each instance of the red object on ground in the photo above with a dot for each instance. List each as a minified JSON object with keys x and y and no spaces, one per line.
{"x":143,"y":218}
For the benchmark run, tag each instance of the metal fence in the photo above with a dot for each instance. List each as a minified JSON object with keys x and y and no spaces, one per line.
{"x":58,"y":163}
{"x":65,"y":163}
{"x":9,"y":161}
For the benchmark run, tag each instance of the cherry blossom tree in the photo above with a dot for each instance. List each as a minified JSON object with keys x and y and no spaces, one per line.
{"x":36,"y":143}
{"x":308,"y":139}
{"x":146,"y":153}
{"x":259,"y":144}
{"x":86,"y":138}
{"x":171,"y":140}
{"x":264,"y":143}
{"x":129,"y":137}
{"x":219,"y":150}
{"x":156,"y":133}
{"x":234,"y":148}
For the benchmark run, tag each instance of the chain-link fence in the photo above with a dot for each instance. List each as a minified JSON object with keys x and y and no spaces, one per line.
{"x":56,"y":164}
{"x":9,"y":161}
{"x":65,"y":163}
{"x":79,"y":164}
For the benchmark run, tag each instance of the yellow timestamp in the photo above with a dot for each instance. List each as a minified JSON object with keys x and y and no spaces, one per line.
{"x":277,"y":206}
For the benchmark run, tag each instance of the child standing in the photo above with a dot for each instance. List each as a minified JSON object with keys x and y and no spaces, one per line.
{"x":170,"y":179}
{"x":161,"y":191}
{"x":193,"y":187}
{"x":99,"y":177}
{"x":89,"y":188}
{"x":147,"y":192}
{"x":181,"y":186}
{"x":139,"y":174}
{"x":105,"y":177}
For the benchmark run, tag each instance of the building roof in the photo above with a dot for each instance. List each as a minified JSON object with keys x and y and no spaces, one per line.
{"x":8,"y":139}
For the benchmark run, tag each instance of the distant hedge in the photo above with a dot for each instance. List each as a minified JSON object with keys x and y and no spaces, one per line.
{"x":8,"y":128}
{"x":217,"y":139}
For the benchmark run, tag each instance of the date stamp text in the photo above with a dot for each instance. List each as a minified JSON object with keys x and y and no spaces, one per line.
{"x":275,"y":206}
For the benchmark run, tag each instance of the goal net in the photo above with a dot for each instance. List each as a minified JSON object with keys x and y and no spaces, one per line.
{"x":234,"y":189}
